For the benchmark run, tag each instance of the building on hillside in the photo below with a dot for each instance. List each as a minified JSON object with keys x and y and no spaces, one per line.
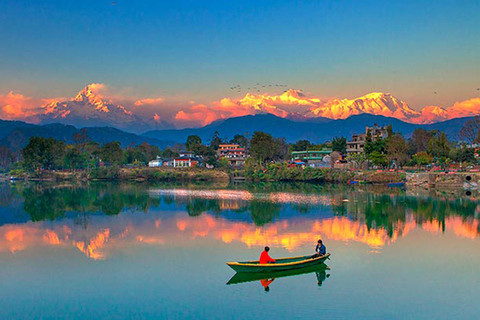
{"x":235,"y":154}
{"x":357,"y":144}
{"x":187,"y":154}
{"x":182,"y":162}
{"x":312,"y":158}
{"x":155,"y":162}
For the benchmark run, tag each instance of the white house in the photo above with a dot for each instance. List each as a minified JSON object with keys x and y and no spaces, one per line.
{"x":155,"y":162}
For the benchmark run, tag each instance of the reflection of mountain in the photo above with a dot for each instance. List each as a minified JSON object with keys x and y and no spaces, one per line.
{"x":74,"y":216}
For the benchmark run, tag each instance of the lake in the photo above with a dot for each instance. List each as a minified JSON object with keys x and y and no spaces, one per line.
{"x":140,"y":251}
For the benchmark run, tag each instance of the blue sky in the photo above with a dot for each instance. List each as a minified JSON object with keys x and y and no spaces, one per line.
{"x":198,"y":49}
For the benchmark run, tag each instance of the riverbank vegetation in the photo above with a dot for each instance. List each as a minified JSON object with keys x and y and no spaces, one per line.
{"x":269,"y":158}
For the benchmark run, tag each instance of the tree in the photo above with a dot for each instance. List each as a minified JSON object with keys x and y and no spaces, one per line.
{"x":302,"y":145}
{"x":216,"y":141}
{"x":339,"y":144}
{"x":207,"y":153}
{"x":74,"y":159}
{"x":378,"y":159}
{"x":240,"y":140}
{"x":396,"y":149}
{"x":42,"y":153}
{"x":422,"y":158}
{"x":358,"y":158}
{"x":192,"y":141}
{"x":368,"y":148}
{"x":262,"y":146}
{"x":439,"y":146}
{"x":470,"y":131}
{"x":169,"y":153}
{"x":112,"y":153}
{"x":419,"y":141}
{"x":7,"y":157}
{"x":280,"y":149}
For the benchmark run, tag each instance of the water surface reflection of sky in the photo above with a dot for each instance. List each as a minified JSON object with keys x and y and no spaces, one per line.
{"x":123,"y":251}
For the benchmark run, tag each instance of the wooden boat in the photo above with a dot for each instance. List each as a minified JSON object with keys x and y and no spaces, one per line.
{"x":241,"y":277}
{"x":281,"y":264}
{"x":396,"y":184}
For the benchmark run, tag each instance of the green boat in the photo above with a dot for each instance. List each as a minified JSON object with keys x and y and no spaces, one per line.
{"x":281,"y":264}
{"x":242,"y":277}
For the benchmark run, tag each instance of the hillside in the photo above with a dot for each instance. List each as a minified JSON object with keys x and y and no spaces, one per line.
{"x":291,"y":130}
{"x":16,"y":134}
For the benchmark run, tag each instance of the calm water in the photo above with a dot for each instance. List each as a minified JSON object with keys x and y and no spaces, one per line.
{"x":136,"y":251}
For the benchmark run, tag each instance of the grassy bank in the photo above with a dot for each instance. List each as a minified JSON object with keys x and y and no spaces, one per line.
{"x":282,"y":172}
{"x":129,"y":174}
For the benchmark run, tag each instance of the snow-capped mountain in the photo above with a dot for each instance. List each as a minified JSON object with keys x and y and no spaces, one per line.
{"x":87,"y":109}
{"x":376,"y":103}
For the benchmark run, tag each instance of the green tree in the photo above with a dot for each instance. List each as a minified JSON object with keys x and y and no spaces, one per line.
{"x":302,"y":145}
{"x":339,"y":144}
{"x":169,"y":153}
{"x":422,"y":158}
{"x":42,"y":153}
{"x":378,"y":159}
{"x":439,"y":146}
{"x":207,"y":153}
{"x":396,"y":149}
{"x":419,"y":141}
{"x":215,"y":141}
{"x":192,"y":141}
{"x":74,"y":159}
{"x":240,"y":140}
{"x":262,"y":146}
{"x":112,"y":153}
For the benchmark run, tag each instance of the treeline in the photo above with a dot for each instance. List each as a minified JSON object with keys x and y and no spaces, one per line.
{"x":424,"y":147}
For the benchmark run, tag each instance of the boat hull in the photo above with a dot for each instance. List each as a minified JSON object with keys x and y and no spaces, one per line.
{"x":242,"y":277}
{"x":283,"y":264}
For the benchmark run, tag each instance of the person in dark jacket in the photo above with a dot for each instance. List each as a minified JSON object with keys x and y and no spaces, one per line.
{"x":320,"y":249}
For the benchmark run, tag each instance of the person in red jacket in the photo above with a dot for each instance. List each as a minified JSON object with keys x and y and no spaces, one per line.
{"x":265,"y":258}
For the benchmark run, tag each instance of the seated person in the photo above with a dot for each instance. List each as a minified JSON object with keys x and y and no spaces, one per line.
{"x":265,"y":258}
{"x":320,"y":249}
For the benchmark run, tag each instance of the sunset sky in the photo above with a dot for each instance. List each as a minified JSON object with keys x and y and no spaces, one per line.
{"x":188,"y":51}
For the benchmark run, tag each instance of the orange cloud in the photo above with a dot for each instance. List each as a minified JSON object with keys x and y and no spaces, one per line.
{"x":292,"y":103}
{"x":17,"y":106}
{"x":149,"y":101}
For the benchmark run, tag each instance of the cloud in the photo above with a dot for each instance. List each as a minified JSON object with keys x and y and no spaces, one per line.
{"x":17,"y":106}
{"x":291,"y":103}
{"x":149,"y":102}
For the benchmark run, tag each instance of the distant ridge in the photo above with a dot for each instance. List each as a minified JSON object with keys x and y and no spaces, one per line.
{"x":16,"y":134}
{"x":310,"y":129}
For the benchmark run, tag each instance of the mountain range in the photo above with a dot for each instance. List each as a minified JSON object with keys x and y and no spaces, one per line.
{"x":316,"y":130}
{"x":16,"y":134}
{"x":88,"y":109}
{"x":91,"y":108}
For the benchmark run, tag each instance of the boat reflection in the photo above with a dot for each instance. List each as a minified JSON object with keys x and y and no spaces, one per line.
{"x":267,"y":278}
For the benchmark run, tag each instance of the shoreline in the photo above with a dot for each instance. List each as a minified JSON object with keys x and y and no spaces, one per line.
{"x":410,"y":180}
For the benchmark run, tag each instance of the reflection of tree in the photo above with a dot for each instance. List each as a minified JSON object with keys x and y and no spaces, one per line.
{"x":264,"y":212}
{"x":47,"y":202}
{"x":197,"y":206}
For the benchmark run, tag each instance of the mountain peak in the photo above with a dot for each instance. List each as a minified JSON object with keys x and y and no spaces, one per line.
{"x":294,"y":93}
{"x":87,"y":96}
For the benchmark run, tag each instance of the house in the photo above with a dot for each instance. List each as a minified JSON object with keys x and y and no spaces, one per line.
{"x":313,"y":158}
{"x":235,"y":154}
{"x":357,"y":144}
{"x":182,"y":162}
{"x":155,"y":162}
{"x":187,"y":154}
